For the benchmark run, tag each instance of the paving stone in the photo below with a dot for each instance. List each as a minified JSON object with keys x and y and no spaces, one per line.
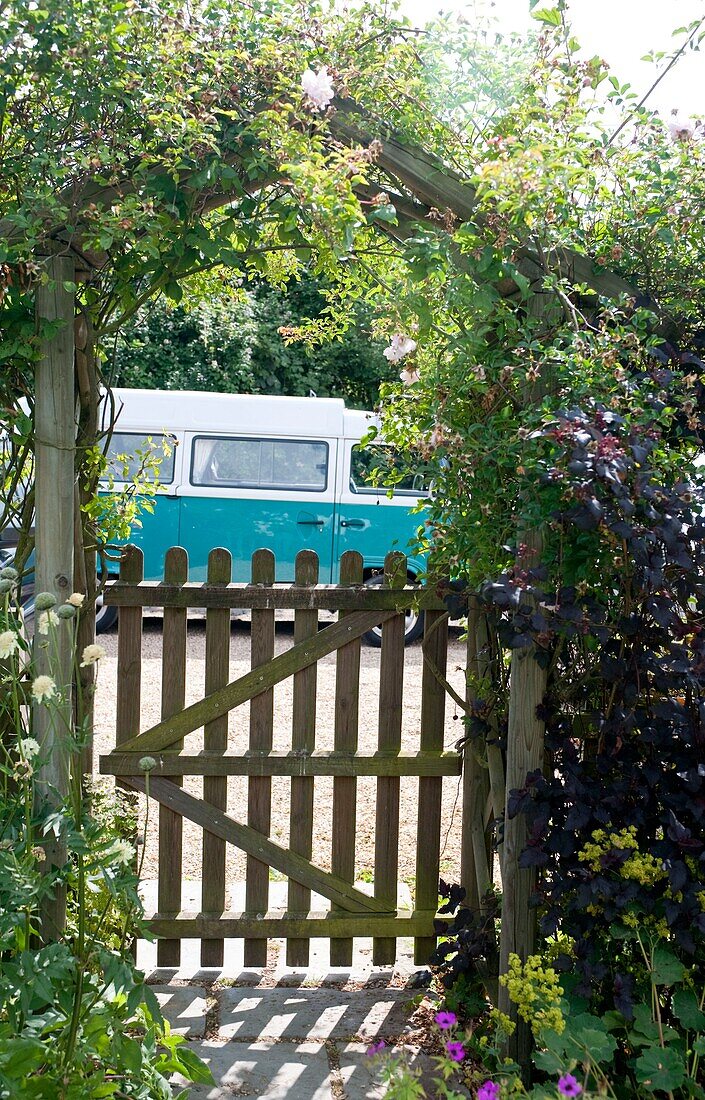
{"x":184,"y":1007}
{"x":314,"y":1013}
{"x":360,"y":1073}
{"x":271,"y":1071}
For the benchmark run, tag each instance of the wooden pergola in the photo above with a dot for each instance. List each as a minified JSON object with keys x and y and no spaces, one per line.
{"x":416,"y":184}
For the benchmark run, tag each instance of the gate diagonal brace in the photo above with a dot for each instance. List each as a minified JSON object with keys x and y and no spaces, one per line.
{"x":253,"y":683}
{"x":262,"y":848}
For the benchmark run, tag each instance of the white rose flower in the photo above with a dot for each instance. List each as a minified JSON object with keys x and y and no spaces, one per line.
{"x":408,"y":377}
{"x":76,"y":599}
{"x":91,"y":654}
{"x":9,"y":643}
{"x":318,"y":87}
{"x":47,"y":619}
{"x":399,"y":347}
{"x":43,"y":689}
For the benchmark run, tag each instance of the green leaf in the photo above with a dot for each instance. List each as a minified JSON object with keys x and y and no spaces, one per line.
{"x":383,"y":213}
{"x":552,"y":16}
{"x":599,"y":1045}
{"x":549,"y":1062}
{"x":193,"y":1068}
{"x":173,"y":291}
{"x":667,"y":968}
{"x":687,"y":1009}
{"x":659,"y":1069}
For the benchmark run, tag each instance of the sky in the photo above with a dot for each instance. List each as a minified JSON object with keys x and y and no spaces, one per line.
{"x":621,"y":31}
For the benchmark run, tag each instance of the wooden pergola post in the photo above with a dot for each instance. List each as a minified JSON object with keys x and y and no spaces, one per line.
{"x":525,"y":753}
{"x":55,"y":446}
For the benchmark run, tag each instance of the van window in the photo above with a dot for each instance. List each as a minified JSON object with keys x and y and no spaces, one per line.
{"x":128,"y":452}
{"x":379,"y":467}
{"x":260,"y":463}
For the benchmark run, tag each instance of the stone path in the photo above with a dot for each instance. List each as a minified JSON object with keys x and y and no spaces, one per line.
{"x":296,"y":1034}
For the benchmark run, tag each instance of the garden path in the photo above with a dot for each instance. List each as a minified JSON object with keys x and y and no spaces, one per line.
{"x":279,"y":1033}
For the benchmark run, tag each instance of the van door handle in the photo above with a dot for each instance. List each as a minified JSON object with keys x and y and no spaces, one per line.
{"x":312,"y":522}
{"x":352,"y":523}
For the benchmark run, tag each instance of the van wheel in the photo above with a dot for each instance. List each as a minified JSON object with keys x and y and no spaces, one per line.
{"x":413,"y":622}
{"x":105,"y":616}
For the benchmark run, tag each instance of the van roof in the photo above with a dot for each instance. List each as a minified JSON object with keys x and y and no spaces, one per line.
{"x":195,"y":410}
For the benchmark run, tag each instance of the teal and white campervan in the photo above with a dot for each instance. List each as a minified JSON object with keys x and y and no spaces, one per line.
{"x":246,"y":472}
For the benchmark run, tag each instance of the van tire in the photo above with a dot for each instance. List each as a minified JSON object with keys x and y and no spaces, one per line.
{"x":413,"y":626}
{"x":105,"y":616}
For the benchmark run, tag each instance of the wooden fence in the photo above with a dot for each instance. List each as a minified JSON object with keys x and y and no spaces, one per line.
{"x":353,"y":912}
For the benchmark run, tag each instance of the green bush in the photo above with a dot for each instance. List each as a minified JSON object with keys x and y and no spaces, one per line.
{"x":76,"y":1019}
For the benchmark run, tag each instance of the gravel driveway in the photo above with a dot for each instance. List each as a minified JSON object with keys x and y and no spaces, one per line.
{"x":369,"y":687}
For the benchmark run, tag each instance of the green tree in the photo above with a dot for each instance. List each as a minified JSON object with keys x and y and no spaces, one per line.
{"x":236,"y":344}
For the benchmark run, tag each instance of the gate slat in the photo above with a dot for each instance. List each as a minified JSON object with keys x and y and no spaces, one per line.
{"x":129,"y":656}
{"x":259,"y":788}
{"x":428,"y":836}
{"x":173,"y":697}
{"x":215,"y":738}
{"x":347,"y":688}
{"x":391,"y":687}
{"x":303,"y":737}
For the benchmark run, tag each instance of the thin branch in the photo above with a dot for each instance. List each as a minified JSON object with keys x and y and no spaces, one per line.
{"x":677,"y":55}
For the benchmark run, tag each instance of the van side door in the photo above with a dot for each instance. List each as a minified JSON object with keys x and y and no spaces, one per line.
{"x":248,"y":491}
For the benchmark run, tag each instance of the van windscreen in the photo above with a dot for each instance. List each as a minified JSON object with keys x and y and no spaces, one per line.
{"x":295,"y":464}
{"x":130,"y":453}
{"x":378,"y":468}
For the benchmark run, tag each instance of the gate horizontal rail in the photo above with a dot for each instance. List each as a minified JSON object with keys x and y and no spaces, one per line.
{"x":285,"y":597}
{"x":280,"y":924}
{"x":286,"y":763}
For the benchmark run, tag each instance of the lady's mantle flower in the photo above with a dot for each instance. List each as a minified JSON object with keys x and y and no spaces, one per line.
{"x":446,"y":1020}
{"x":43,"y":689}
{"x":568,"y":1086}
{"x":399,"y":347}
{"x":76,"y":599}
{"x":91,"y":654}
{"x":681,"y":128}
{"x":408,"y":377}
{"x":318,"y":87}
{"x":47,"y":619}
{"x":29,"y":748}
{"x":9,"y":643}
{"x":489,"y":1090}
{"x":455,"y":1050}
{"x":376,"y":1048}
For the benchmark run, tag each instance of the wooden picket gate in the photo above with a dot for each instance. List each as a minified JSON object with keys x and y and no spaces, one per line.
{"x":353,"y":912}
